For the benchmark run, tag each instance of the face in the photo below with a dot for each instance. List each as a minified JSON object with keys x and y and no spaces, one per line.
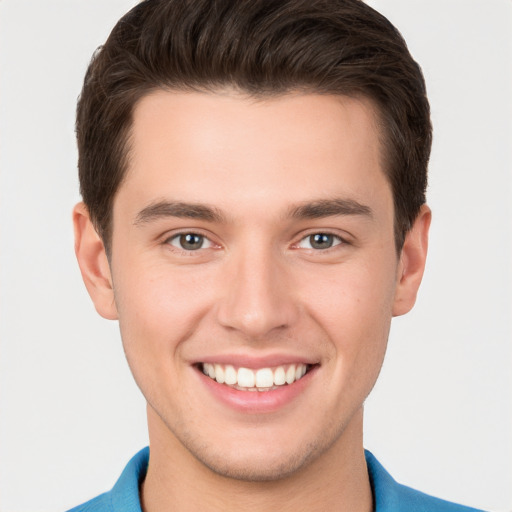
{"x":254,"y":275}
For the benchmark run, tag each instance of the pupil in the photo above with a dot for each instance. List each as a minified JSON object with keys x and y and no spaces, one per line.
{"x":191,"y":241}
{"x":321,"y":241}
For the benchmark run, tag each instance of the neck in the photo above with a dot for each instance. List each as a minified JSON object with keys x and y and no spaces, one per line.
{"x":336,"y":480}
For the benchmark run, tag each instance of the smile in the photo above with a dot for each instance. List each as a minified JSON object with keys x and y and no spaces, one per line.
{"x":261,"y":379}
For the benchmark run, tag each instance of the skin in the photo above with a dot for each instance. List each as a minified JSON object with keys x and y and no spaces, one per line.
{"x":255,"y":288}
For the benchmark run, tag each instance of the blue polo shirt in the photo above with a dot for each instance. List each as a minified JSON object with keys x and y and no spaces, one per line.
{"x":389,"y":496}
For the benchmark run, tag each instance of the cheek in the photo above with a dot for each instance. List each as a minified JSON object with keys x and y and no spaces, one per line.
{"x":355,"y":310}
{"x":353,"y":296}
{"x":158,"y":312}
{"x":157,"y":308}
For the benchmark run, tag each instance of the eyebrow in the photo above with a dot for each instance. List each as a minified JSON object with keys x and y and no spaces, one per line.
{"x":163,"y":209}
{"x":329,"y":208}
{"x":308,"y":210}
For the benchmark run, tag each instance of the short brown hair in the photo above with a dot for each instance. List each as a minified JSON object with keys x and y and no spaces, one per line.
{"x":260,"y":47}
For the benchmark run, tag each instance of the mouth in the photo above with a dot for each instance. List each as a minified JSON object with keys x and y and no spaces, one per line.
{"x":259,"y":379}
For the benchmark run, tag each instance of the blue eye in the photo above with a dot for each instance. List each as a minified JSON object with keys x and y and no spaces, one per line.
{"x":190,"y":242}
{"x":319,"y":241}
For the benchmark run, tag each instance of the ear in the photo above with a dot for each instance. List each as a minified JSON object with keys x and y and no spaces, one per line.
{"x":412,"y":263}
{"x":93,"y":263}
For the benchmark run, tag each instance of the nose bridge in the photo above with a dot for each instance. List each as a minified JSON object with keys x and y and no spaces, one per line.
{"x":257,"y":298}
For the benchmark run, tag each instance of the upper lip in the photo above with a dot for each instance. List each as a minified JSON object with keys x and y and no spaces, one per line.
{"x":254,"y":362}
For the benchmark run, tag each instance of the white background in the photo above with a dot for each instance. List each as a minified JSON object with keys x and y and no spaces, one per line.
{"x":440,"y":418}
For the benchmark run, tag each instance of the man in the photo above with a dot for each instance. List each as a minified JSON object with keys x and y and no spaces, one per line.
{"x":253,"y":176}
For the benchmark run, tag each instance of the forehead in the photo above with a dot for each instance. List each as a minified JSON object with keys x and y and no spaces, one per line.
{"x":230,"y":148}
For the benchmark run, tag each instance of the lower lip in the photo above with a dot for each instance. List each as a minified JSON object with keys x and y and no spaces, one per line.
{"x":257,"y":402}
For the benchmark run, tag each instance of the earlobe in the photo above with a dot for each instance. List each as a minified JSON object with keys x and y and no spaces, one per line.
{"x":412,"y":263}
{"x":93,"y":263}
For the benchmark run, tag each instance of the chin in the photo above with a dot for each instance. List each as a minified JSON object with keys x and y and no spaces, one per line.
{"x":258,"y":467}
{"x":258,"y":458}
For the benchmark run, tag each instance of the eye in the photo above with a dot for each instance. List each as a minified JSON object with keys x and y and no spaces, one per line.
{"x":319,"y":241}
{"x":189,"y":241}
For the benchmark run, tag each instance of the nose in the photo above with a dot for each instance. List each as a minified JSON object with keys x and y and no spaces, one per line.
{"x":258,"y":296}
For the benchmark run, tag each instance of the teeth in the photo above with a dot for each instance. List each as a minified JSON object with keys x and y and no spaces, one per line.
{"x":279,"y":376}
{"x":290,"y":374}
{"x":246,"y":378}
{"x":300,"y":371}
{"x":262,"y":379}
{"x":219,"y":374}
{"x":230,"y":375}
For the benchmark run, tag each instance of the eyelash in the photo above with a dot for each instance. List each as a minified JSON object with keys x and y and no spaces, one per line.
{"x":337,"y":240}
{"x":180,"y":239}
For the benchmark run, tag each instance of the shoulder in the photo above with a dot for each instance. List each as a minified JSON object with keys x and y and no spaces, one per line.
{"x":101,"y":503}
{"x":390,"y":496}
{"x":417,"y":501}
{"x":124,"y":496}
